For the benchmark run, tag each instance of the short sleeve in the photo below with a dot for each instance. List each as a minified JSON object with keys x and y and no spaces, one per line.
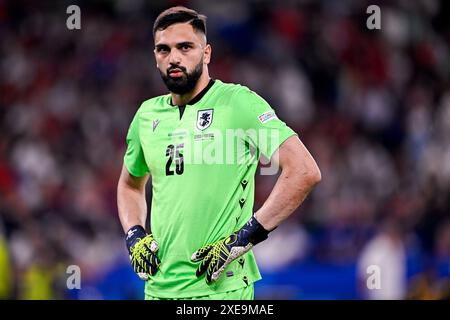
{"x":134,"y":159}
{"x":264,"y":130}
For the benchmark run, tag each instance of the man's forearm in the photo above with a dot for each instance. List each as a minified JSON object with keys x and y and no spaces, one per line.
{"x":132,"y":207}
{"x":289,"y":192}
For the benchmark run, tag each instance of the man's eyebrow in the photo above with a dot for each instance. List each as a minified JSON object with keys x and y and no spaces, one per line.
{"x":179,"y":44}
{"x":161,"y":46}
{"x":185,"y":43}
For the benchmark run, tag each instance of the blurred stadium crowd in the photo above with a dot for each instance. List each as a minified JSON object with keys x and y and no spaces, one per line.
{"x":373,"y":107}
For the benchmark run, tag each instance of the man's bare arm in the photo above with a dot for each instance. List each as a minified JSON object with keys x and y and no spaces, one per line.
{"x":299,"y":175}
{"x":131,"y":199}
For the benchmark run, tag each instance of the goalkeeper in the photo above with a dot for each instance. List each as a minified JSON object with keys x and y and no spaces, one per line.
{"x":202,"y":226}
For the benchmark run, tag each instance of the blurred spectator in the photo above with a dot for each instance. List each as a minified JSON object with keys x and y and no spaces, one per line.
{"x":6,"y":275}
{"x":385,"y":252}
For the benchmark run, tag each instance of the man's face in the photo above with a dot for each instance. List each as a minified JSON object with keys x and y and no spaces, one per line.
{"x":181,"y":53}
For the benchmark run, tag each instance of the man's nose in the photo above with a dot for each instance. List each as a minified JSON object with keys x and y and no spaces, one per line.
{"x":175,"y":57}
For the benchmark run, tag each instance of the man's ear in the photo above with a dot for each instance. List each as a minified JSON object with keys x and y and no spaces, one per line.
{"x":154,"y":53}
{"x":207,"y":54}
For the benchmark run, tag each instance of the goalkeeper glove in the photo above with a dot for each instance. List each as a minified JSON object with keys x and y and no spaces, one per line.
{"x":142,"y":248}
{"x":217,"y":256}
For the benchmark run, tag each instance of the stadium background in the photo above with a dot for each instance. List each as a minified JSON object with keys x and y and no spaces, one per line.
{"x":373,"y":107}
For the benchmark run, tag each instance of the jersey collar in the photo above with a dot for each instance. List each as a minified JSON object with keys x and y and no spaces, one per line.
{"x":199,"y":96}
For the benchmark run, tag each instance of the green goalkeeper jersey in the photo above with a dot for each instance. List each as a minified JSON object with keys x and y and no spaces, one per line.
{"x":202,"y":159}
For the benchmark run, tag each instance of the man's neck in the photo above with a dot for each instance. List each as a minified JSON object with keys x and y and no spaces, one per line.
{"x":183,"y":99}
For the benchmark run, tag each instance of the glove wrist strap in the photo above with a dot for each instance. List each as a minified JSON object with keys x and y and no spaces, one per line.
{"x":254,"y":231}
{"x":133,"y":235}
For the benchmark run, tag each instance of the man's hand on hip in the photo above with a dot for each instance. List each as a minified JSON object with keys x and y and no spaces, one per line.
{"x":215,"y":257}
{"x":142,"y":248}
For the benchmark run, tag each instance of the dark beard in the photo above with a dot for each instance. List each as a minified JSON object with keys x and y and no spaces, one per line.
{"x":184,"y":84}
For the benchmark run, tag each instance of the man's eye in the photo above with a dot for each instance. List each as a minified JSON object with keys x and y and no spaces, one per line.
{"x":162,"y":50}
{"x":185,"y":47}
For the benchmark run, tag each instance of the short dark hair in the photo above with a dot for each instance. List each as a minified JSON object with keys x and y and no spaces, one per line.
{"x":180,"y":14}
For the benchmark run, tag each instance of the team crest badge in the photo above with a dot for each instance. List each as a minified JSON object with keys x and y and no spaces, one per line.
{"x":204,"y":118}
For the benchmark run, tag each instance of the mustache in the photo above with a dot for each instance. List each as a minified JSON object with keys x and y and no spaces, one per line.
{"x":173,"y":67}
